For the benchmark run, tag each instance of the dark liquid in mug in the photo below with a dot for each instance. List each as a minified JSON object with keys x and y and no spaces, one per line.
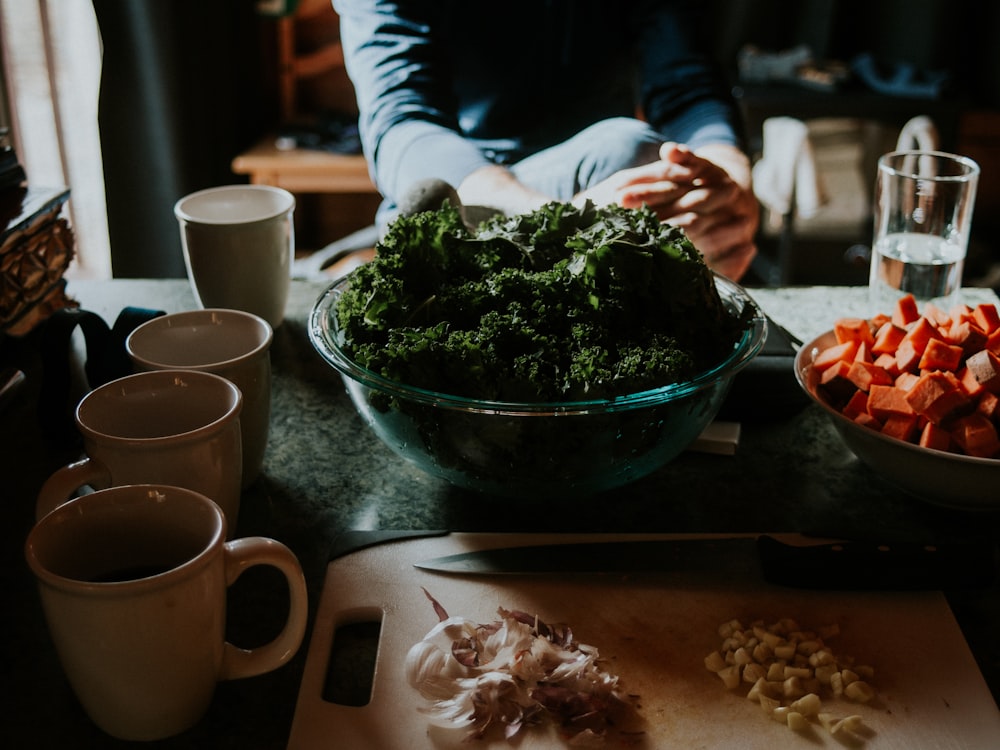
{"x":131,"y":573}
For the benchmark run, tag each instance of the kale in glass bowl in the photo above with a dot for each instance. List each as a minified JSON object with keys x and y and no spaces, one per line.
{"x":566,"y":351}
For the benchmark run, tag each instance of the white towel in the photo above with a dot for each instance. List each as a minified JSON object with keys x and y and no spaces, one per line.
{"x":787,"y":170}
{"x":919,"y":133}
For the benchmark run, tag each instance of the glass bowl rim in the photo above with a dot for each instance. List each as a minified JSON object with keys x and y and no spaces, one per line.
{"x":325,"y":337}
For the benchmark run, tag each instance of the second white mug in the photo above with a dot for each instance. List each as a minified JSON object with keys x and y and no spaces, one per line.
{"x":230,"y":343}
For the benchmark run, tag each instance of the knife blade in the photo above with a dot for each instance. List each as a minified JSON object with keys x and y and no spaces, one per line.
{"x":841,"y":564}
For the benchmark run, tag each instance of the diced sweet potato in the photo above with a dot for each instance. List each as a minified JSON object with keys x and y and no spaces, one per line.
{"x":936,"y":315}
{"x":968,"y":336}
{"x":988,"y":404}
{"x":856,"y":404}
{"x":864,"y":375}
{"x":986,"y":316}
{"x":887,"y":338}
{"x":921,"y":332}
{"x":907,"y":356}
{"x":906,"y":380}
{"x":905,"y":311}
{"x":936,"y":437}
{"x":984,"y":366}
{"x":937,"y":397}
{"x":960,"y":311}
{"x":900,"y":426}
{"x":886,"y":400}
{"x":993,"y":342}
{"x":867,"y":420}
{"x":887,"y":362}
{"x":835,"y":384}
{"x":972,"y":387}
{"x":853,"y":329}
{"x":938,"y":355}
{"x":976,"y":435}
{"x":837,"y":353}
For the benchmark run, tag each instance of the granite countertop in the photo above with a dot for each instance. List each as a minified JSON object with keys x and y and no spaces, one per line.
{"x":325,"y":473}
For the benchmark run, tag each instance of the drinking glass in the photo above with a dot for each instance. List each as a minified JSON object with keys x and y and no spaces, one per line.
{"x":923,"y":213}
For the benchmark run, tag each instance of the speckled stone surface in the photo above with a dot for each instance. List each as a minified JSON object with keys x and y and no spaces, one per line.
{"x":326,"y":473}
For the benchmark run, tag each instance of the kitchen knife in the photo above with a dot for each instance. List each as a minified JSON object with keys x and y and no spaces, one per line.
{"x":792,"y":560}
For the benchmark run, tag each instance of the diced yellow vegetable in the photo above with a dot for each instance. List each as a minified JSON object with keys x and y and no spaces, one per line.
{"x":859,"y":691}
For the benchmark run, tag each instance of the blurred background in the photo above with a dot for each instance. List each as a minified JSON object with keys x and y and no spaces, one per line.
{"x":134,"y":103}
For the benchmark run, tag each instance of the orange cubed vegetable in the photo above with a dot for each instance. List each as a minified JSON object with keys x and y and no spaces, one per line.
{"x":863,"y":375}
{"x":960,"y":312}
{"x":938,"y":355}
{"x":887,"y":400}
{"x":835,"y":385}
{"x":936,"y":315}
{"x":887,"y":362}
{"x":935,"y":437}
{"x":837,"y":353}
{"x":976,"y":435}
{"x":937,"y":397}
{"x":887,"y":338}
{"x":906,"y":311}
{"x":878,"y":320}
{"x":967,"y":335}
{"x":988,"y":404}
{"x":921,"y":332}
{"x":867,"y":420}
{"x":863,"y":354}
{"x":986,"y":316}
{"x":970,"y":385}
{"x":907,"y":356}
{"x":906,"y":380}
{"x":993,"y":342}
{"x":853,"y":329}
{"x":857,"y":404}
{"x":984,"y":366}
{"x":900,"y":426}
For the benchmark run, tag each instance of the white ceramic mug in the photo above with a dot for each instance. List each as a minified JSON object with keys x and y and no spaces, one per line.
{"x":230,"y":343}
{"x":133,"y":584}
{"x":176,"y":427}
{"x":239,"y":242}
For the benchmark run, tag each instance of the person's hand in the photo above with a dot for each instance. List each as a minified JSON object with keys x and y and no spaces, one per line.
{"x":708,"y":194}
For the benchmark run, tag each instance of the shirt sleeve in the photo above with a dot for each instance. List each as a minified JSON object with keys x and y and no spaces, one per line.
{"x":683,"y":93}
{"x":407,"y":116}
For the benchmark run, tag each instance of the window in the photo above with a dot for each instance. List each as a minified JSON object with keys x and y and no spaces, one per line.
{"x":51,"y":53}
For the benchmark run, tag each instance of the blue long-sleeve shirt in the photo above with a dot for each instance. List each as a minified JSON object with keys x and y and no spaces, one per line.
{"x":447,"y":86}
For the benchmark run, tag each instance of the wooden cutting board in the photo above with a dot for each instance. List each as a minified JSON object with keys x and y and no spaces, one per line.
{"x":654,"y":630}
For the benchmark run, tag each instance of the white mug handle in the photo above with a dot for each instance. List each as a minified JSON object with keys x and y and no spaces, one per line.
{"x":63,"y":484}
{"x":242,"y":554}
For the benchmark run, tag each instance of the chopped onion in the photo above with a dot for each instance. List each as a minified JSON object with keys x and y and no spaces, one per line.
{"x":512,"y":673}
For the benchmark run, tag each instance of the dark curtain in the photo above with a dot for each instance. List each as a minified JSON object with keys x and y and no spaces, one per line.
{"x":181,"y":94}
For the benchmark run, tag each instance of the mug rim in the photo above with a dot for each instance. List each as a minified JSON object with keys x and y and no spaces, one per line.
{"x":79,"y":505}
{"x":214,"y":366}
{"x":182,"y":212}
{"x":232,"y":413}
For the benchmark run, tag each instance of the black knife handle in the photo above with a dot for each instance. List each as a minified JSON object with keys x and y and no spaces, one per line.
{"x":859,"y":565}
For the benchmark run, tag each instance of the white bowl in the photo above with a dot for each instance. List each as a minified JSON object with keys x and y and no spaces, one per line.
{"x":939,"y":477}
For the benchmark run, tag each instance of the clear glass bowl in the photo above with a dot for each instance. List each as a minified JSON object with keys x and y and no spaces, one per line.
{"x":537,"y":449}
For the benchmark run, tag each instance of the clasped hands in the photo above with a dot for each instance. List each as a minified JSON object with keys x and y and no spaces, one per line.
{"x":705,"y":192}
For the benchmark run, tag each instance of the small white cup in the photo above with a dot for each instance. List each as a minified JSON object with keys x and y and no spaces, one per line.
{"x":133,"y":584}
{"x":239,"y":242}
{"x":230,"y":343}
{"x":175,"y":427}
